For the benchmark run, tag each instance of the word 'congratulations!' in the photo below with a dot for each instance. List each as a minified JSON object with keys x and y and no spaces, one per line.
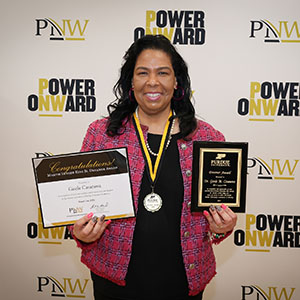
{"x":56,"y":167}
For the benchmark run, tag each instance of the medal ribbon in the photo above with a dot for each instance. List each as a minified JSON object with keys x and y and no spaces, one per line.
{"x":152,"y":171}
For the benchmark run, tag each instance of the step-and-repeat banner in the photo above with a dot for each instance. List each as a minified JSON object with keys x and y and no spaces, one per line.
{"x":59,"y":62}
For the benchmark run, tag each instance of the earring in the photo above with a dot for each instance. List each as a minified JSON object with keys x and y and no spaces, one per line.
{"x":182,"y":93}
{"x":130,"y":95}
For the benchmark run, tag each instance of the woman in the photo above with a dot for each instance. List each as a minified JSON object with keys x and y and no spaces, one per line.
{"x":166,"y":251}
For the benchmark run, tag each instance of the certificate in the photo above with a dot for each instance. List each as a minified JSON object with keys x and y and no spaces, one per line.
{"x":72,"y":185}
{"x":219,"y":175}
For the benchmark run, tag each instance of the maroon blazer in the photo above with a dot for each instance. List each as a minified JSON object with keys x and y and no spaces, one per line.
{"x":109,"y":256}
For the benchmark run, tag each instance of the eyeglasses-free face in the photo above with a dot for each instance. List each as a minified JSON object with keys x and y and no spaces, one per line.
{"x":153,"y":83}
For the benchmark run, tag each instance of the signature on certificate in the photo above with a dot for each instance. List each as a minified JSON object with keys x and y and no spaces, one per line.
{"x":99,"y":207}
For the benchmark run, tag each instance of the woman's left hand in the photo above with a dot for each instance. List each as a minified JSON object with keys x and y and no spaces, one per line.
{"x":221,"y":219}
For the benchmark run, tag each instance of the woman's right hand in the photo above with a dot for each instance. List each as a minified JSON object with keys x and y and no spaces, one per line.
{"x":88,"y":229}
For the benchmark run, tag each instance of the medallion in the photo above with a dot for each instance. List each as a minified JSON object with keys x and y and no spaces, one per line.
{"x":153,"y":202}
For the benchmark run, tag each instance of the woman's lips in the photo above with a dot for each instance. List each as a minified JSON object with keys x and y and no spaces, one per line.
{"x":153,"y":96}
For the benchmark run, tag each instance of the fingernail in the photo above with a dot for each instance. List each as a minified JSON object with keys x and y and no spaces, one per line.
{"x":108,"y":222}
{"x":95,"y":219}
{"x":212,"y":207}
{"x":102,"y":218}
{"x":219,"y":208}
{"x":223,"y":206}
{"x":206,"y":213}
{"x":90,"y":215}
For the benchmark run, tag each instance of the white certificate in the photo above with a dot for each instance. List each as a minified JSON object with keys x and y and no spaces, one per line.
{"x":72,"y":185}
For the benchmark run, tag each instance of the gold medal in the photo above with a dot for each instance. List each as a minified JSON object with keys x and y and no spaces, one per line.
{"x":152,"y":202}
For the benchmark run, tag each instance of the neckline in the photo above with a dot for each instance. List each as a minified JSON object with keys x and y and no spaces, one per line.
{"x":160,"y":135}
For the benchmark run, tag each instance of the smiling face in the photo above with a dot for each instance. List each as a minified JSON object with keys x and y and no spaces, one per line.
{"x":153,"y":83}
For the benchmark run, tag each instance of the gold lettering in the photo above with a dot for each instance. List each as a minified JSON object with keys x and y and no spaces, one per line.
{"x":55,"y":167}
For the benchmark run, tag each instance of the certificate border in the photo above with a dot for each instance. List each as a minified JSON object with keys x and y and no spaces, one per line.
{"x":199,"y":148}
{"x":71,"y":222}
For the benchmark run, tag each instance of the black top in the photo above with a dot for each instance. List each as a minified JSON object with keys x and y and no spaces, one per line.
{"x":156,"y":269}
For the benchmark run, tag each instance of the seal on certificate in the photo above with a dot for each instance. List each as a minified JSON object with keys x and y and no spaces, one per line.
{"x":152,"y":202}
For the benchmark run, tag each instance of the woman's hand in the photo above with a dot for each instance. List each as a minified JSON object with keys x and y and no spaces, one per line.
{"x":221,"y":219}
{"x":89,"y":229}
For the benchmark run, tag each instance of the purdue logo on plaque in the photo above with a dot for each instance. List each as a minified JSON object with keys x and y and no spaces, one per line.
{"x":219,"y":175}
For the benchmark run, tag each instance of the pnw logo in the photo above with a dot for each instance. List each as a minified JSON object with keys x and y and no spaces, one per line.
{"x":271,"y":293}
{"x":65,"y":287}
{"x":185,"y":27}
{"x":66,"y":30}
{"x":281,"y":32}
{"x":277,"y":169}
{"x":263,"y":232}
{"x":57,"y":96}
{"x":270,"y":100}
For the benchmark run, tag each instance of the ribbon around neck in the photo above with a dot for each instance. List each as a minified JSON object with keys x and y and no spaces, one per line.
{"x":152,"y":171}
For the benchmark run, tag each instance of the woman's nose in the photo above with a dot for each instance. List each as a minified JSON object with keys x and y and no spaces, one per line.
{"x":152,"y":80}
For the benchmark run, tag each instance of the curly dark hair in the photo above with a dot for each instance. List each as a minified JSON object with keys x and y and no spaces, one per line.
{"x":122,"y":108}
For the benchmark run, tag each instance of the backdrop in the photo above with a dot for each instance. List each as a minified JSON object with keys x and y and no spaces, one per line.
{"x":243,"y":59}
